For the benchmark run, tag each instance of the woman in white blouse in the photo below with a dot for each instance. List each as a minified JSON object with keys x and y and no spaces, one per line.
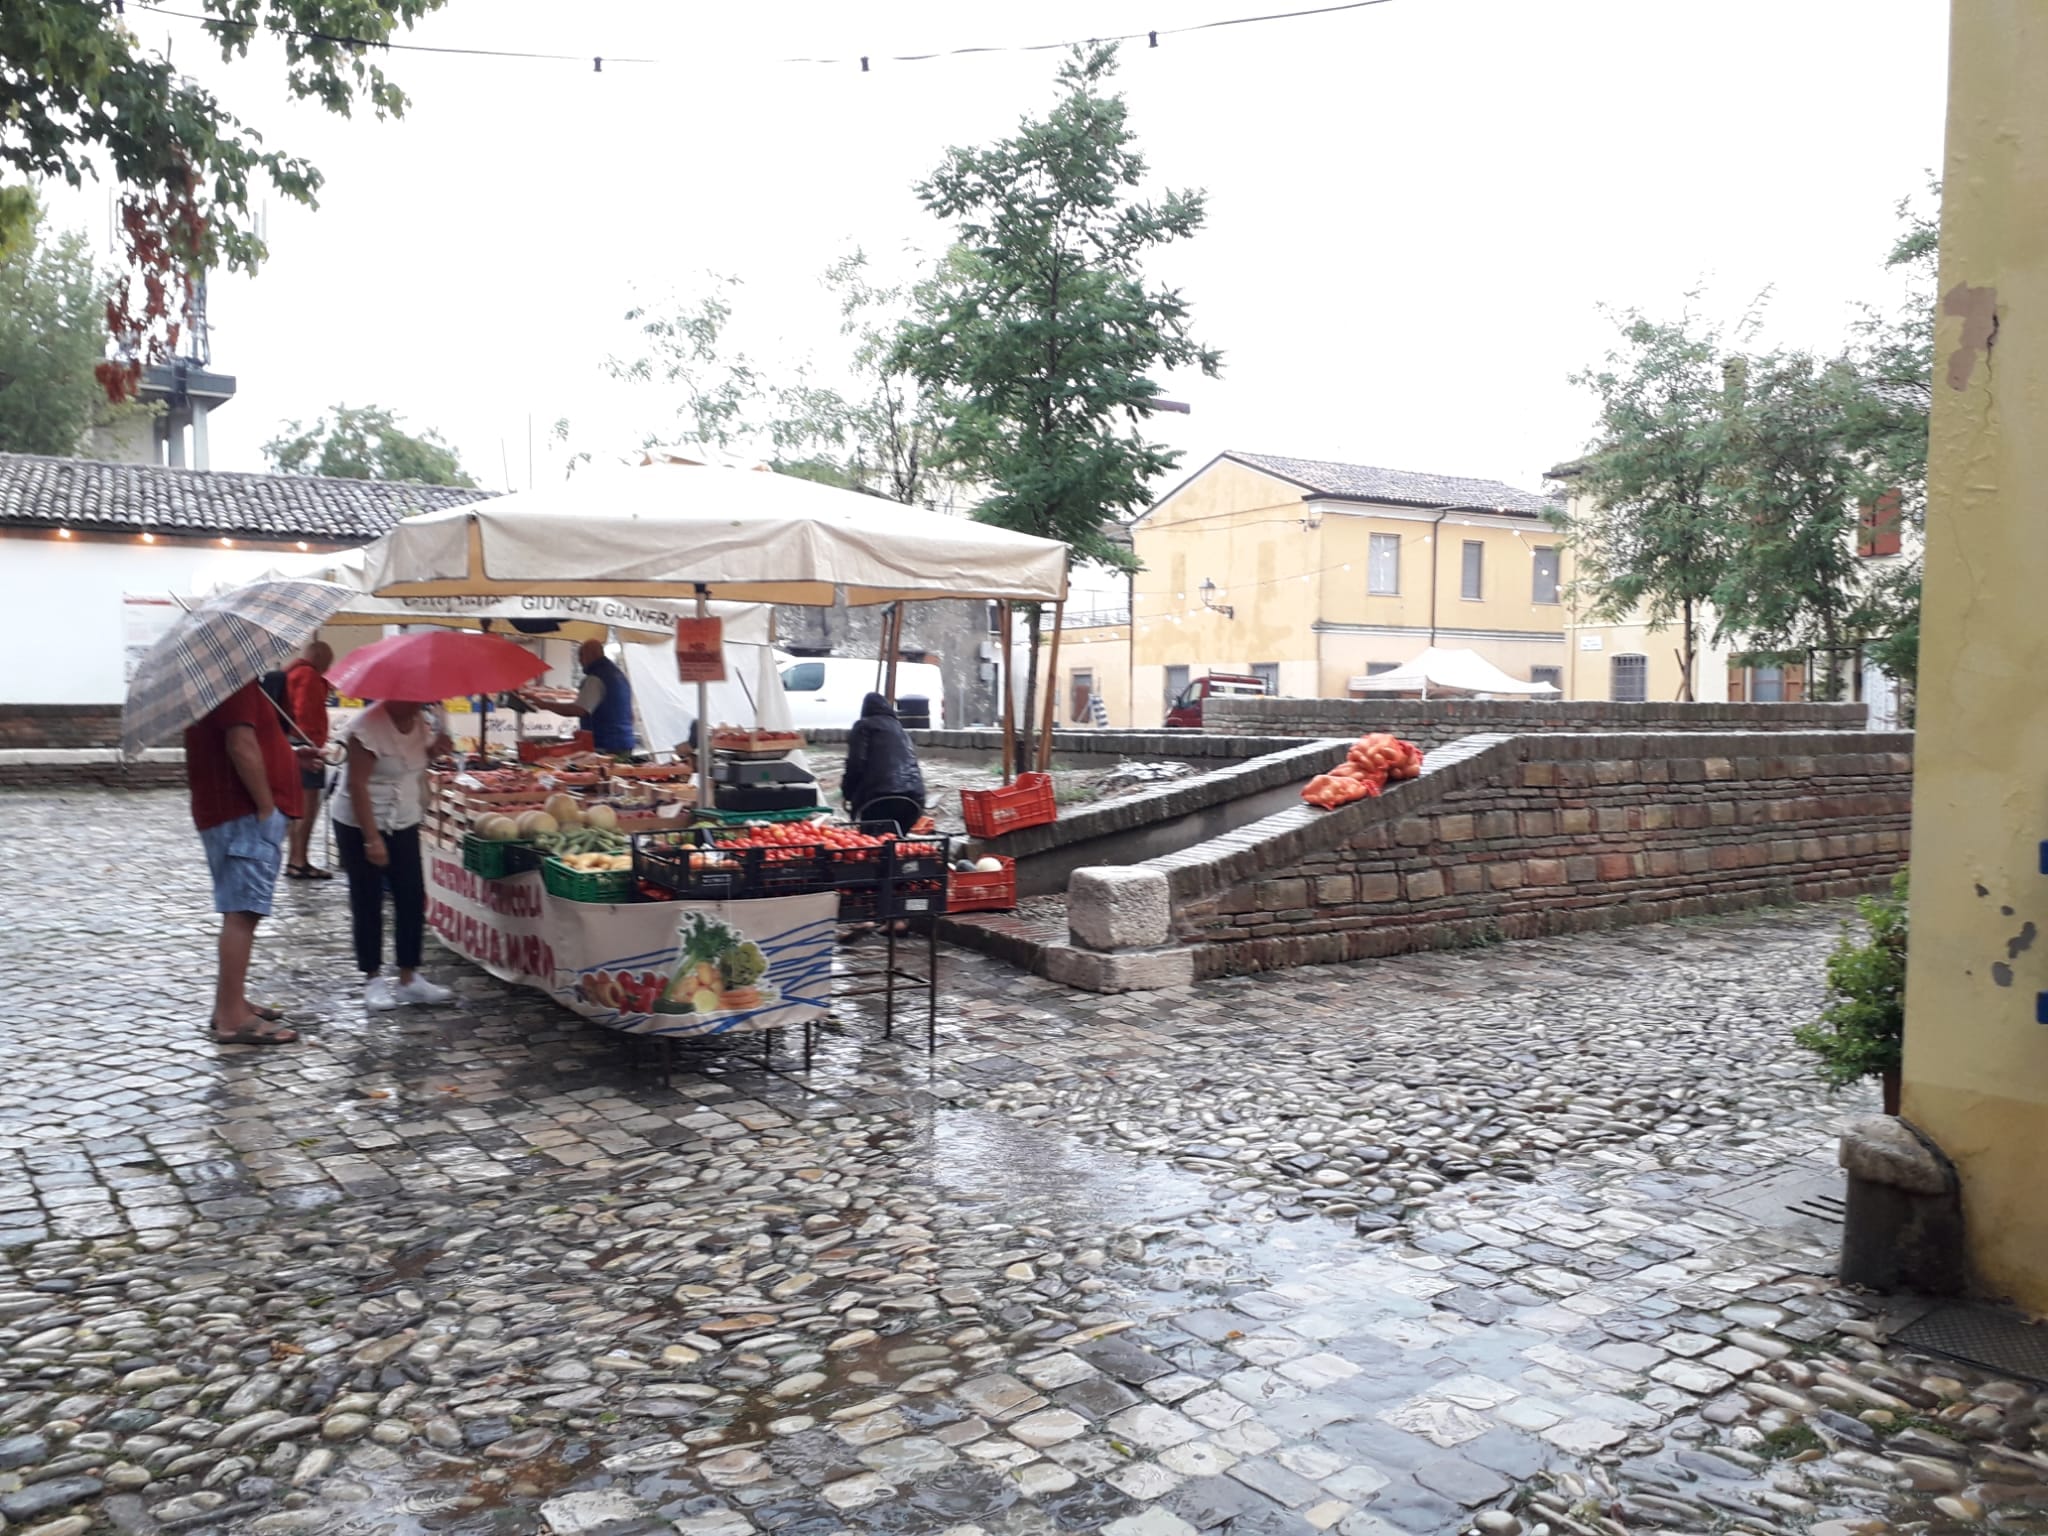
{"x":377,"y":813}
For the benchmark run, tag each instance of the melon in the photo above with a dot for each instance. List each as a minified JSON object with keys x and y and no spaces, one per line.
{"x":603,"y":817}
{"x":566,"y":810}
{"x":988,"y":866}
{"x":495,"y":827}
{"x":536,"y":824}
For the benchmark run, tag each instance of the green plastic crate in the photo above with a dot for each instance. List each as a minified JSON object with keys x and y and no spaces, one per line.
{"x":495,"y":860}
{"x":598,"y":885}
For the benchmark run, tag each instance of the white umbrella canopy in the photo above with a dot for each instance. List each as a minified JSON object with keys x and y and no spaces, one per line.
{"x":638,"y":620}
{"x":1448,"y":670}
{"x":666,"y":529}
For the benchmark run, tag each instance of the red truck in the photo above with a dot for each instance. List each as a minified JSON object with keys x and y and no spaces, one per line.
{"x":1186,"y":713}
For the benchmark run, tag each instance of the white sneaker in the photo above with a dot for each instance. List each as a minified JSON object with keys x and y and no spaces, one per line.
{"x":421,"y":990}
{"x":380,"y":995}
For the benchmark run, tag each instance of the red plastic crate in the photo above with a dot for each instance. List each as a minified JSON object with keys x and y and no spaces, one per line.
{"x":1026,"y":803}
{"x":533,"y":751}
{"x":978,"y":892}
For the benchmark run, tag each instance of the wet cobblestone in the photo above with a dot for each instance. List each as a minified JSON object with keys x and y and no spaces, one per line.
{"x":1424,"y":1245}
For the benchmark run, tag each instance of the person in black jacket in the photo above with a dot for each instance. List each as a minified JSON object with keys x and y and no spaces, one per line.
{"x":882,"y":780}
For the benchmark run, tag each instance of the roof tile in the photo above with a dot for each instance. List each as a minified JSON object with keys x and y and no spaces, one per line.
{"x":126,"y":498}
{"x":1364,"y":482}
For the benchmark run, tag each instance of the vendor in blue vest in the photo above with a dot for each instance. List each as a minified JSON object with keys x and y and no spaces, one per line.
{"x":605,"y":701}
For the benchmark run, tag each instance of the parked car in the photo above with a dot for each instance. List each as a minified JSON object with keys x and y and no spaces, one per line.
{"x":825,"y":691}
{"x":1186,"y":713}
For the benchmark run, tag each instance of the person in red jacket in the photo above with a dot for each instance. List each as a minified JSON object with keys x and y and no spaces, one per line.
{"x":245,"y":791}
{"x":305,"y":700}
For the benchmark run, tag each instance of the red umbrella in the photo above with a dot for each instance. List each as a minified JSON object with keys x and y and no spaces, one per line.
{"x":424,"y":665}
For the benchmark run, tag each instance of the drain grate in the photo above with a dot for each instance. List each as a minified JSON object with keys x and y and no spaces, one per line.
{"x":1788,"y":1197}
{"x":1990,"y":1338}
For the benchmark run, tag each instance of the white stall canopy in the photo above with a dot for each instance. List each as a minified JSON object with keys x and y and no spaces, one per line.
{"x":1448,"y":671}
{"x":668,"y":529}
{"x":641,"y":620}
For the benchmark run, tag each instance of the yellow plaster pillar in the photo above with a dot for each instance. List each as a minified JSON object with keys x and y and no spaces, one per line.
{"x":1976,"y":1070}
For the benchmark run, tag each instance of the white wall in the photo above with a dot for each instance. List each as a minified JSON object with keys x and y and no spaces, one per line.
{"x":62,"y":629}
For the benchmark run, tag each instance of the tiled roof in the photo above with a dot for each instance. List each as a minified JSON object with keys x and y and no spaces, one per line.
{"x":1407,"y":487}
{"x":84,"y":494}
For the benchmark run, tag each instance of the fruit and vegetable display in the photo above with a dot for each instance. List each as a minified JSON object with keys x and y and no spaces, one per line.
{"x":1375,"y":760}
{"x":735,"y":738}
{"x":717,"y":971}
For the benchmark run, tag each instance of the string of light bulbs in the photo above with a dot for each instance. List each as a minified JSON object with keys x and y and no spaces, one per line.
{"x":597,"y":61}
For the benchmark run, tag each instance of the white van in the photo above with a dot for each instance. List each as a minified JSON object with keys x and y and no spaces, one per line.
{"x":824,"y":692}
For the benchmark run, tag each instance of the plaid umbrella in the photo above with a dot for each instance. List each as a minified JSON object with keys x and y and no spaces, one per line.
{"x":216,"y":649}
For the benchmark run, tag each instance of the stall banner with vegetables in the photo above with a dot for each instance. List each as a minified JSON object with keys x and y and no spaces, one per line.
{"x":718,"y":967}
{"x":661,"y":967}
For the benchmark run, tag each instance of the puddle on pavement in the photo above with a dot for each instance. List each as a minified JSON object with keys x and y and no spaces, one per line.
{"x":1036,"y":1176}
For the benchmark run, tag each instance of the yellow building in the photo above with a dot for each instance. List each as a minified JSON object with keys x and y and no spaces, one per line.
{"x":1976,"y":1068}
{"x":1311,"y":574}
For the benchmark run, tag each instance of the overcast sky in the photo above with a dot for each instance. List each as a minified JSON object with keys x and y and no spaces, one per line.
{"x":1414,"y":208}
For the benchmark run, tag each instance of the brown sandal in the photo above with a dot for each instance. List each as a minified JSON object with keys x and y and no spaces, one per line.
{"x":257,"y":1031}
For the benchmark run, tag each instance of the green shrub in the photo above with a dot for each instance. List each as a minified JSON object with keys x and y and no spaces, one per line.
{"x":1862,"y":1030}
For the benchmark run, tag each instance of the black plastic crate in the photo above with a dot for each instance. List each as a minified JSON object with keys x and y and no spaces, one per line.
{"x":931,"y":865}
{"x":679,"y":862}
{"x":921,"y":898}
{"x":862,"y":904}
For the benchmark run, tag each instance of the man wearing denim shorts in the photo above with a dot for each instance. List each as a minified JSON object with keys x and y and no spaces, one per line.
{"x":245,"y":789}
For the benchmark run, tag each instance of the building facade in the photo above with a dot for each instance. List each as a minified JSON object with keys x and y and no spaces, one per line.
{"x":1312,"y":574}
{"x":91,"y":554}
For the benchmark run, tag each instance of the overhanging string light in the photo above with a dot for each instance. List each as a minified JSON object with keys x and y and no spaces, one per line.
{"x":597,"y":60}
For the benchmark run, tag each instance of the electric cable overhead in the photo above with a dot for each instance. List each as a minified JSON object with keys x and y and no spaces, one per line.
{"x":597,"y":61}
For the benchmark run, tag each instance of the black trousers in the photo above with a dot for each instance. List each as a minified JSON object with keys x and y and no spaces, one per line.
{"x":403,"y":876}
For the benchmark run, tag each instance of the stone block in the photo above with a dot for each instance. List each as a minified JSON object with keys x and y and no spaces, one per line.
{"x":1121,"y":907}
{"x":1131,"y":970}
{"x":1278,"y":895}
{"x":1380,"y":887}
{"x":1455,"y":829}
{"x":1575,"y":822}
{"x":1616,"y":866}
{"x":1412,"y":832}
{"x":1425,"y":885}
{"x":1335,"y":890}
{"x":1504,"y":876}
{"x":1468,"y":879}
{"x":1546,"y":871}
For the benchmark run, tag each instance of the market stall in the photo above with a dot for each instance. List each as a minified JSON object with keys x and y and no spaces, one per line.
{"x":642,"y":913}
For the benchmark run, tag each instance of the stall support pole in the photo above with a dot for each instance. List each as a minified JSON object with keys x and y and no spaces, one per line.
{"x":892,"y":634}
{"x":1009,"y":703}
{"x":707,"y":796}
{"x":1042,"y":759}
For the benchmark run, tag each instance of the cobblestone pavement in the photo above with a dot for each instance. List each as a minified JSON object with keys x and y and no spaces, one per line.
{"x":1430,"y":1244}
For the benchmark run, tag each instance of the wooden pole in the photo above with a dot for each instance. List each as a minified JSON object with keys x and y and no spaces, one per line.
{"x":1007,"y":684}
{"x":707,"y":796}
{"x":1043,"y":761}
{"x":893,"y":628}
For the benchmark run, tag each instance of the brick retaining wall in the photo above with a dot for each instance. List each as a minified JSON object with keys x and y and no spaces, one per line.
{"x":1517,"y":837}
{"x":1433,"y":722}
{"x":59,"y":727}
{"x":1507,"y":837}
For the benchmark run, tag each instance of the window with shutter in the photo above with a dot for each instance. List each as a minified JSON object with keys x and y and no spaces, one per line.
{"x":1473,"y":585}
{"x":1544,"y":586}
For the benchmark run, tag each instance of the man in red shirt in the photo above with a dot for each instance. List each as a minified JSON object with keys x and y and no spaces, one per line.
{"x":245,"y":788}
{"x":305,"y":699}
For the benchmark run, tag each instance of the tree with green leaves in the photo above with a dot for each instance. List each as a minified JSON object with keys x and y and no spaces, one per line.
{"x":1894,"y":353}
{"x":1649,"y":532}
{"x":365,"y":443}
{"x":1792,"y":585}
{"x":1041,"y":337}
{"x":52,"y":314}
{"x":79,"y":89}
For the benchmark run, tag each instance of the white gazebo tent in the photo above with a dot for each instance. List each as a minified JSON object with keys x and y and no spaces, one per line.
{"x":1450,"y":671}
{"x":668,"y":529}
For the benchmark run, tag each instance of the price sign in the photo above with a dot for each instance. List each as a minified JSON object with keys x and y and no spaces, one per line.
{"x":700,"y":650}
